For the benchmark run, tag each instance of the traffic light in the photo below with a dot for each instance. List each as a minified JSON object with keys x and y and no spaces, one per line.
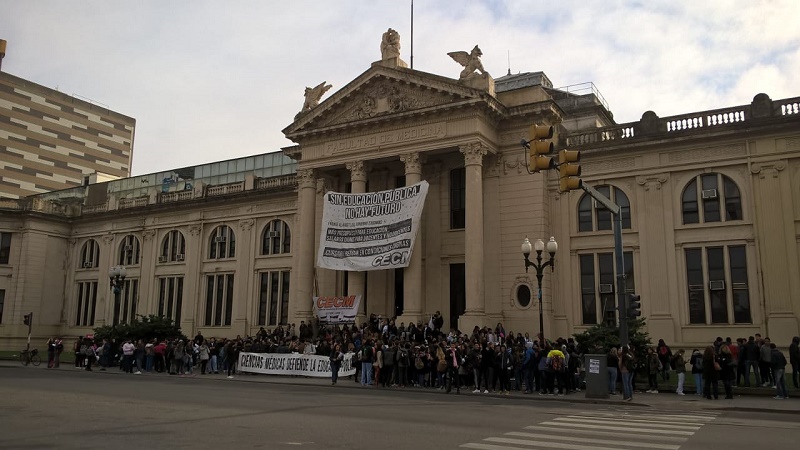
{"x":28,"y":319}
{"x":568,"y":171}
{"x":634,"y":306}
{"x":539,"y":145}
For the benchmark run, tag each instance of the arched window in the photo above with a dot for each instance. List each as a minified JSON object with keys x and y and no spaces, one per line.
{"x":129,"y":251}
{"x":90,"y":255}
{"x":276,"y":239}
{"x":593,"y":216}
{"x":173,"y":247}
{"x":222,"y":243}
{"x":711,"y":197}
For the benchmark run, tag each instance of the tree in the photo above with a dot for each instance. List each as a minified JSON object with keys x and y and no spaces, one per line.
{"x":141,"y":327}
{"x":600,"y":338}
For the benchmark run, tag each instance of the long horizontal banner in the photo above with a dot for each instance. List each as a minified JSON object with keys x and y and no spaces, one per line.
{"x":372,"y":230}
{"x":293,"y":364}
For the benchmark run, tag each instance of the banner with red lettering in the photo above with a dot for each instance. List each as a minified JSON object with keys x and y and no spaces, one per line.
{"x":337,"y":309}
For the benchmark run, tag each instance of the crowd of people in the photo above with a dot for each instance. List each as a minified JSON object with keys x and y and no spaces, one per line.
{"x":419,"y":355}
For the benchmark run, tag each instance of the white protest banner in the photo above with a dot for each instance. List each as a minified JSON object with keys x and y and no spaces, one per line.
{"x":293,"y":364}
{"x":337,"y":309}
{"x":370,"y":231}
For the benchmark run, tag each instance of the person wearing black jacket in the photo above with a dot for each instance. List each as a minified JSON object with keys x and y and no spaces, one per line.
{"x":487,"y":367}
{"x":751,"y":360}
{"x":454,"y":361}
{"x":794,"y":360}
{"x":504,"y":364}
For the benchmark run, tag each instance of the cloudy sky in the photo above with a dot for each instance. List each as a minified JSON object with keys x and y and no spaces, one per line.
{"x":211,"y":80}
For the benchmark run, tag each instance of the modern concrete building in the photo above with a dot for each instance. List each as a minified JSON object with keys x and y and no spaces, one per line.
{"x":710,"y":200}
{"x":51,"y":141}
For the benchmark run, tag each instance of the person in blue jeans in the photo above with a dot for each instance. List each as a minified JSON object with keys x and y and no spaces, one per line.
{"x":696,"y":360}
{"x":778,"y":362}
{"x":612,"y":360}
{"x":367,"y":357}
{"x":627,"y":367}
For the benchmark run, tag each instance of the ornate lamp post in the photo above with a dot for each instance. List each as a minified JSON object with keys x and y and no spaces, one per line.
{"x":539,"y":246}
{"x":116,"y":275}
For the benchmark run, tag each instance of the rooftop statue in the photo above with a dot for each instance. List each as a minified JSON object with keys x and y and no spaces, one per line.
{"x":313,"y":95}
{"x":390,"y":44}
{"x":471,"y":62}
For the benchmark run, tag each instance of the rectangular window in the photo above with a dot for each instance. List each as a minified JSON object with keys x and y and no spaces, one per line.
{"x":5,"y":247}
{"x":588,"y":300}
{"x":86,"y":304}
{"x":603,"y":214}
{"x":170,"y":298}
{"x":125,"y":302}
{"x":2,"y":303}
{"x":458,"y":198}
{"x":695,"y":278}
{"x":219,"y":300}
{"x":458,"y":293}
{"x":739,"y":286}
{"x":630,"y":284}
{"x":607,"y":301}
{"x":718,"y":291}
{"x":710,"y":199}
{"x":273,"y":304}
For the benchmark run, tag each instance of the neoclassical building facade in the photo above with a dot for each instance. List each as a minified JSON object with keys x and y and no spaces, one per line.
{"x":710,"y":203}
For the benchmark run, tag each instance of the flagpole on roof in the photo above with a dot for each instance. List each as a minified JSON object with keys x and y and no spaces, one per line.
{"x":412,"y":34}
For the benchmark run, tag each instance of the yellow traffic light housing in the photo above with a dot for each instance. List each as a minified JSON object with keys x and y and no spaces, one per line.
{"x":568,"y":171}
{"x":538,"y":146}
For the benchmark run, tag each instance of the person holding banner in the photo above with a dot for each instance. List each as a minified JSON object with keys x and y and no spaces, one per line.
{"x":336,"y":363}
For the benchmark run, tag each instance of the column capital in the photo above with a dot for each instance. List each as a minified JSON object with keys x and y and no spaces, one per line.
{"x":473,"y":153}
{"x":413,"y":162}
{"x":652,"y":181}
{"x":358,"y":171}
{"x":306,"y":178}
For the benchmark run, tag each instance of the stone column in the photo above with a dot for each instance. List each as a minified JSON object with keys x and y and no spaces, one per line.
{"x":355,"y":280}
{"x":304,"y":281}
{"x":473,"y":236}
{"x":412,"y":275}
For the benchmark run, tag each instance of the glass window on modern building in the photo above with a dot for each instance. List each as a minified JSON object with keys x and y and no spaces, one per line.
{"x":599,"y":286}
{"x":273,"y":298}
{"x":276,"y":238}
{"x":173,"y":247}
{"x":90,"y":255}
{"x":593,"y":216}
{"x":219,"y":300}
{"x":129,"y":250}
{"x":222,"y":243}
{"x":711,"y":197}
{"x":718,"y":289}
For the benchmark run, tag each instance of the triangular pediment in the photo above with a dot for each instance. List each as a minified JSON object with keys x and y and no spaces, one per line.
{"x":381,"y":93}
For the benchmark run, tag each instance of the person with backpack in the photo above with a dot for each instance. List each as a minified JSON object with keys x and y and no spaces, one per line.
{"x":696,"y":360}
{"x":529,"y":367}
{"x":403,"y":361}
{"x":653,"y":367}
{"x":557,"y":369}
{"x":366,"y":353}
{"x":664,"y":357}
{"x":680,"y":368}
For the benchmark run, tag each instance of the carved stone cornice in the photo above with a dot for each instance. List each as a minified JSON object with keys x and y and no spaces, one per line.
{"x":195,"y":230}
{"x":306,"y":178}
{"x":769,"y":167}
{"x":473,"y":153}
{"x":413,"y":162}
{"x":357,"y":170}
{"x":652,"y":181}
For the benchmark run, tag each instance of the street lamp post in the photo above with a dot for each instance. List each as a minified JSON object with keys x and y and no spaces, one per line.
{"x":539,"y":246}
{"x":116,"y":275}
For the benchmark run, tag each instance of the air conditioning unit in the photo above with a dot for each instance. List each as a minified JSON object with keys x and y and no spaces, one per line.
{"x":696,"y":287}
{"x":606,"y":288}
{"x":274,"y":234}
{"x":718,"y":285}
{"x":180,"y":257}
{"x":128,"y":248}
{"x":709,"y":193}
{"x":219,"y":239}
{"x":162,"y":259}
{"x":87,"y":265}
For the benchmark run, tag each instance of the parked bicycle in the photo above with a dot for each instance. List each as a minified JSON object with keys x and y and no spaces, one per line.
{"x":28,"y":357}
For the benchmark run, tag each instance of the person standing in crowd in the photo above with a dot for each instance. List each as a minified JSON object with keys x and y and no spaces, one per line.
{"x":627,"y":365}
{"x":336,"y":359}
{"x":367,"y":356}
{"x":778,"y":362}
{"x":475,"y":356}
{"x":680,"y":368}
{"x":711,"y":369}
{"x":612,"y":363}
{"x":752,"y":354}
{"x":454,"y":359}
{"x":766,"y":363}
{"x":89,"y":354}
{"x":76,"y":348}
{"x":664,"y":357}
{"x":177,"y":357}
{"x":505,"y":364}
{"x":231,"y":357}
{"x":727,"y":367}
{"x":377,"y":364}
{"x":204,"y":354}
{"x":653,"y":366}
{"x":696,"y":361}
{"x":794,"y":359}
{"x":127,"y":356}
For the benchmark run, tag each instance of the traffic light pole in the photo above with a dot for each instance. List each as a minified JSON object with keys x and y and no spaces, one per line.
{"x":30,"y":326}
{"x":622,"y":299}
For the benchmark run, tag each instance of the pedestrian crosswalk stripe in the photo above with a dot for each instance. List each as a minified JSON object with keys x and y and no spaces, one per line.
{"x":490,"y":447}
{"x":549,"y":444}
{"x":635,"y":425}
{"x":618,"y":442}
{"x":610,"y":434}
{"x":648,"y":419}
{"x":625,"y":428}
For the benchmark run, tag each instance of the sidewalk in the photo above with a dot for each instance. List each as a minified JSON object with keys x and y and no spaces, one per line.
{"x":665,"y":399}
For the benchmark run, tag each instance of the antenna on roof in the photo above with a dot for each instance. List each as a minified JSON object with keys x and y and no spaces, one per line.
{"x":509,"y":62}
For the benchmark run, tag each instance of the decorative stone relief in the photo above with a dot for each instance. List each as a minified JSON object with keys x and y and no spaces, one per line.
{"x":305,"y":178}
{"x":323,"y":185}
{"x":791,"y":144}
{"x":108,"y":239}
{"x":471,"y":62}
{"x":518,"y":164}
{"x":246,"y":224}
{"x":493,"y":165}
{"x":771,"y":168}
{"x":473,"y":153}
{"x":357,"y":171}
{"x":655,"y":181}
{"x":312,"y":96}
{"x":390,"y":44}
{"x":413,"y":162}
{"x":195,"y":230}
{"x":148,"y":234}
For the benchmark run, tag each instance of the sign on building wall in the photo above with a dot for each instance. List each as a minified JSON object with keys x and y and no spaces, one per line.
{"x":370,"y":231}
{"x":337,"y":309}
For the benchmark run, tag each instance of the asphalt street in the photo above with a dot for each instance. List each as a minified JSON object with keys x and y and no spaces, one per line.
{"x":68,"y":408}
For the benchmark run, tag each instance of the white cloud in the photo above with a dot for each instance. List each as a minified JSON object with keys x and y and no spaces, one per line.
{"x":207,"y":80}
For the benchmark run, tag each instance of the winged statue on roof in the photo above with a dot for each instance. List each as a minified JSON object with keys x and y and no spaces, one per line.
{"x":471,"y":62}
{"x":313,"y":95}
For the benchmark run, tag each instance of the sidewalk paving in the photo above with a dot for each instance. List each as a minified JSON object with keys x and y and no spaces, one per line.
{"x":745,"y":399}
